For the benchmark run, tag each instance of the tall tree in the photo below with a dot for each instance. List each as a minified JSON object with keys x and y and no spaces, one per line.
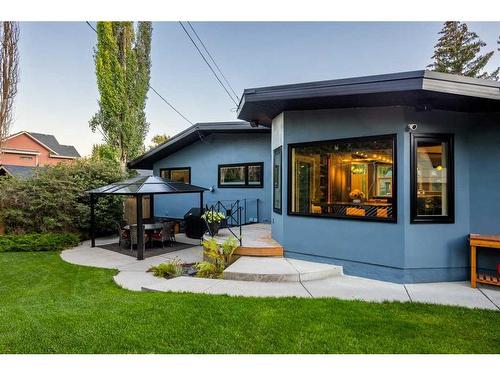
{"x":458,"y":52}
{"x":158,"y":139}
{"x":123,"y":63}
{"x":9,"y":76}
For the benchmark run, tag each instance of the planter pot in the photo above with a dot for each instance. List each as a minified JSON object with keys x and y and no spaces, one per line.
{"x":214,"y":228}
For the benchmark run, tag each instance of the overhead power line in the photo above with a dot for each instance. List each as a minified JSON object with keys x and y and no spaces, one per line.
{"x":208,"y":64}
{"x":154,"y":90}
{"x":213,"y":60}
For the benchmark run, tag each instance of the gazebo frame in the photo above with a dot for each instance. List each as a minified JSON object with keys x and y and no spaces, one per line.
{"x":140,"y":187}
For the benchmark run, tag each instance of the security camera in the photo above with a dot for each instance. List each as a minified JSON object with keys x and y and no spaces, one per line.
{"x":412,"y":127}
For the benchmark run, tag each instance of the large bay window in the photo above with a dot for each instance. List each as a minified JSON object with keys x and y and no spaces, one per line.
{"x":432,"y":193}
{"x":347,"y":178}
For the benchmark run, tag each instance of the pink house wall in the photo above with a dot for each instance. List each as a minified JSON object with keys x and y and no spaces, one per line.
{"x":24,"y":142}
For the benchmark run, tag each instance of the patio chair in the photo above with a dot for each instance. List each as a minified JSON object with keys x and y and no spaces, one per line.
{"x":134,"y":239}
{"x":123,"y":236}
{"x":167,"y":233}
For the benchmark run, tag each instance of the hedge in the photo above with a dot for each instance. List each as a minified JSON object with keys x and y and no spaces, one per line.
{"x":38,"y":242}
{"x":54,"y":199}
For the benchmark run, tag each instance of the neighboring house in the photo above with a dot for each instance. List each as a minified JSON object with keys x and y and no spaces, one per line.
{"x":385,"y":175}
{"x":232,"y":159}
{"x":23,"y":151}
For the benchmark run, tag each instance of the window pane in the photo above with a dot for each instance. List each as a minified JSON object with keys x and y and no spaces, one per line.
{"x":177,"y":175}
{"x":232,"y":175}
{"x":432,"y":183}
{"x":180,"y":175}
{"x":254,"y":175}
{"x":350,"y":178}
{"x":277,"y":179}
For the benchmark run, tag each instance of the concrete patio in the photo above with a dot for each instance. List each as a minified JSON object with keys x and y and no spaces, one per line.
{"x":276,"y":277}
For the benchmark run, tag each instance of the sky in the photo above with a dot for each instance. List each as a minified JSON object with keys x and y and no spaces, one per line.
{"x":57,"y":93}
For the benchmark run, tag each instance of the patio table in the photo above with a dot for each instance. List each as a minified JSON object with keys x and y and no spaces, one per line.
{"x":152,"y":226}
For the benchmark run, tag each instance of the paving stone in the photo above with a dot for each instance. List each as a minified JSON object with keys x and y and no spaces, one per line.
{"x":183,"y":284}
{"x":492,"y":292}
{"x":94,"y":257}
{"x":314,"y":271}
{"x":349,"y":287}
{"x":261,"y":269}
{"x":134,"y":280}
{"x":189,"y":255}
{"x":258,"y":289}
{"x":450,"y":293}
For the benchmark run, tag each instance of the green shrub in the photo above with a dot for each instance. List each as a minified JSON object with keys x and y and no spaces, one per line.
{"x":38,"y":242}
{"x":208,"y":270}
{"x":168,"y":270}
{"x":219,"y":256}
{"x":54,"y":199}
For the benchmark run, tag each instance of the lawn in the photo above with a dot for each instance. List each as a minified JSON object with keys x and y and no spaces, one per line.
{"x":49,"y":306}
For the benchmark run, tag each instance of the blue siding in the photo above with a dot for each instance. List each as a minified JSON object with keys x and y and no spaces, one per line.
{"x":204,"y":157}
{"x":400,"y":252}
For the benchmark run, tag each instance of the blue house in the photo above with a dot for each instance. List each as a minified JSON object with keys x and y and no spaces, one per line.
{"x":232,"y":159}
{"x":385,"y":175}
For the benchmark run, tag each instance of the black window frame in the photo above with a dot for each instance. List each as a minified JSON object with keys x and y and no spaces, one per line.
{"x":278,"y":150}
{"x":246,"y":184}
{"x":176,"y":169}
{"x":394,"y":198}
{"x":450,"y":177}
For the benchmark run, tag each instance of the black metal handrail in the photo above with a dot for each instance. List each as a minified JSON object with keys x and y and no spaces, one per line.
{"x":232,"y":214}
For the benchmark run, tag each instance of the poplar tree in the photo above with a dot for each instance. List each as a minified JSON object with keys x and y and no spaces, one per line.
{"x":122,"y":65}
{"x":458,"y":51}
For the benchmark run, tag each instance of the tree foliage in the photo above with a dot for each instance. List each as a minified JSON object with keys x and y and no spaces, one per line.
{"x":54,"y":199}
{"x":158,"y":139}
{"x":9,"y":75}
{"x":123,"y":63}
{"x":458,"y":52}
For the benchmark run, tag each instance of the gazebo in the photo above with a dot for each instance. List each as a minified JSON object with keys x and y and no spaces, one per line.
{"x":139,"y":187}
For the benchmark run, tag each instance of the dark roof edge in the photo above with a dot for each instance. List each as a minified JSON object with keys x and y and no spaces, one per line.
{"x":415,"y":74}
{"x":206,"y":128}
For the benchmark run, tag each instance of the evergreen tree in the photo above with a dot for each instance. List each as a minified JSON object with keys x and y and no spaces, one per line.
{"x":123,"y":64}
{"x":458,"y":52}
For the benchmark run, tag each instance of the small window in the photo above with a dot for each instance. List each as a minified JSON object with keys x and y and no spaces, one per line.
{"x":177,"y":174}
{"x":345,"y":178}
{"x":26,"y":157}
{"x":277,"y":155}
{"x":245,"y":175}
{"x":432,"y":178}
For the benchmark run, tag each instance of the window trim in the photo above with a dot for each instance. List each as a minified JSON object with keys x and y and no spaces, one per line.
{"x":178,"y":169}
{"x":450,"y":176}
{"x":279,"y":150}
{"x":246,"y":184}
{"x":393,"y":219}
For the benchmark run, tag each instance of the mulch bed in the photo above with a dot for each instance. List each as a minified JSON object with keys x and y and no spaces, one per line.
{"x":149,"y":251}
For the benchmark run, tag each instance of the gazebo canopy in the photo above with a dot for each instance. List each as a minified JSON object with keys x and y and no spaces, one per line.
{"x":139,"y":187}
{"x":146,"y":185}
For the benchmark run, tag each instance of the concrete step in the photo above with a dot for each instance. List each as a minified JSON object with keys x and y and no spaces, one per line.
{"x":279,"y":270}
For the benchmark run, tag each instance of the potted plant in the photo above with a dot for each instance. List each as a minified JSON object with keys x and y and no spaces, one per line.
{"x":213,"y":219}
{"x":357,"y":196}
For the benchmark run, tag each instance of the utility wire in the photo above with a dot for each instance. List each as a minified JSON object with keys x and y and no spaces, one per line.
{"x":210,"y":66}
{"x":213,"y":60}
{"x":152,"y":88}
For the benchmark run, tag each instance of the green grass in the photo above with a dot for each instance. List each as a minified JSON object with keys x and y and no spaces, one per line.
{"x":49,"y":306}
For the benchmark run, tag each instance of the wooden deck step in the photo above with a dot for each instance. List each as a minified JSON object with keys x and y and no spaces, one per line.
{"x":276,"y":251}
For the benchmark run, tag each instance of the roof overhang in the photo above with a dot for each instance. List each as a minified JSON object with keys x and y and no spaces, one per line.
{"x":420,"y":89}
{"x":192,"y":135}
